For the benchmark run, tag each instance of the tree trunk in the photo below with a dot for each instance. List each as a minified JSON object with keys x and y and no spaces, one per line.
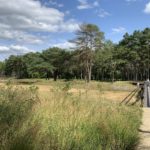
{"x":81,"y":75}
{"x":88,"y":72}
{"x":55,"y":75}
{"x":113,"y":76}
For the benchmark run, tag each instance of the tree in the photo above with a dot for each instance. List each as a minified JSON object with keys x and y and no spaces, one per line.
{"x":15,"y":65}
{"x":37,"y":67}
{"x":138,"y":54}
{"x":54,"y":56}
{"x":88,"y":39}
{"x":2,"y":68}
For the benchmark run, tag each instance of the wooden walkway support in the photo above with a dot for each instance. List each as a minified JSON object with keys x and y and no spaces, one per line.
{"x":128,"y":98}
{"x":143,"y":90}
{"x":146,"y":100}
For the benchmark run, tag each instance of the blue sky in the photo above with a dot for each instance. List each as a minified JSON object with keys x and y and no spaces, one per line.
{"x":34,"y":25}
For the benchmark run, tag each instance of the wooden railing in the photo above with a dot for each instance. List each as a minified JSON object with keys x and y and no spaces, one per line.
{"x":142,"y":93}
{"x":128,"y":98}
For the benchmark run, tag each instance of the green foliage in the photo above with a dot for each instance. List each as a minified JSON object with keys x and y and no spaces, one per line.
{"x":137,"y":53}
{"x":37,"y":67}
{"x":15,"y":66}
{"x":103,"y":66}
{"x":62,"y":62}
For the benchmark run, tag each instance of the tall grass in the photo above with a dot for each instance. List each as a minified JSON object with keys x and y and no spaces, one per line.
{"x":65,"y":121}
{"x":16,"y":104}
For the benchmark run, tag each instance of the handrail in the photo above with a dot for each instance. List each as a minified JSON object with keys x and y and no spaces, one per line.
{"x":130,"y":96}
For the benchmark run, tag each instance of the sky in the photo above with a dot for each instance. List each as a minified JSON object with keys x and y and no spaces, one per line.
{"x":35,"y":25}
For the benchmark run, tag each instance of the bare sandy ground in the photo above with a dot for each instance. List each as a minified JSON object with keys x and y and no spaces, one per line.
{"x":145,"y":131}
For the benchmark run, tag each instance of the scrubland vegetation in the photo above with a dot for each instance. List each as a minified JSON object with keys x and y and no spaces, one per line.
{"x":61,"y":118}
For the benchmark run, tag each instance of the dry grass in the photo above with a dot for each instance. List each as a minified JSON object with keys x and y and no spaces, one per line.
{"x":110,"y":91}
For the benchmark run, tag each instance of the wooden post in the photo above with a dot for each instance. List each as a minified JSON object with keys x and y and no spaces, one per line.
{"x":146,"y":102}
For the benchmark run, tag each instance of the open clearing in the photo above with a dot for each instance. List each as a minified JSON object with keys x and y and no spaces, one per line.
{"x":116,"y":91}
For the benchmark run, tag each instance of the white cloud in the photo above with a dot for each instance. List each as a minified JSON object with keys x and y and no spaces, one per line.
{"x":4,"y":49}
{"x":102,"y":13}
{"x":69,"y":26}
{"x":64,"y":45}
{"x":54,"y":3}
{"x":20,"y":36}
{"x":84,"y":4}
{"x":14,"y":50}
{"x":147,"y":8}
{"x":119,"y":30}
{"x":20,"y":19}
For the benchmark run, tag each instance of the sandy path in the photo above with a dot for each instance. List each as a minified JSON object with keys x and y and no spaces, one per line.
{"x":145,"y":130}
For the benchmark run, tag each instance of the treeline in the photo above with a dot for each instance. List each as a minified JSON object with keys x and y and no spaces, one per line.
{"x":93,"y":58}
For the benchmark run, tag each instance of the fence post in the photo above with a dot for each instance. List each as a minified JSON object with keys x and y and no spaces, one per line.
{"x":146,"y":102}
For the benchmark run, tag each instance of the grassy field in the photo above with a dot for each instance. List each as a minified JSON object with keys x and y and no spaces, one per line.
{"x":39,"y":114}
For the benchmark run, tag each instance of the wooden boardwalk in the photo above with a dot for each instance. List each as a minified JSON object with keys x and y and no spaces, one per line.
{"x":145,"y":131}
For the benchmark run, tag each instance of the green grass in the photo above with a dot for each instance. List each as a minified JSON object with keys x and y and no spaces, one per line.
{"x":65,"y":121}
